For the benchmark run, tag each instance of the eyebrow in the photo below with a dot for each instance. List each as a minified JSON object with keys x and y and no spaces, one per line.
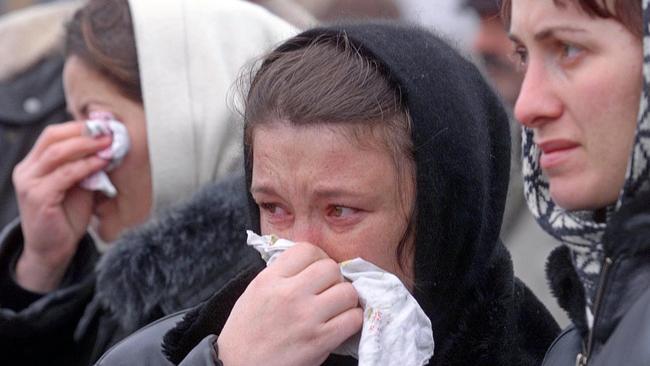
{"x":262,"y":189}
{"x":330,"y":193}
{"x":321,"y":193}
{"x":548,"y":32}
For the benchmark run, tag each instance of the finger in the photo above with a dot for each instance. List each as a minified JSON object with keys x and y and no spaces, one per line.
{"x":336,"y":300}
{"x":66,"y":151}
{"x":320,"y":275}
{"x":343,"y":326}
{"x":70,"y":174}
{"x":296,"y":259}
{"x":78,"y":204}
{"x":54,"y":133}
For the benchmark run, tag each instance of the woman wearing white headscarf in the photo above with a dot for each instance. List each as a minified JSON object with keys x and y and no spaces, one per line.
{"x":163,"y":70}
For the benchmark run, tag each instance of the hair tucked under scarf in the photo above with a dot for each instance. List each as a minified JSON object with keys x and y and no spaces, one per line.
{"x":578,"y":229}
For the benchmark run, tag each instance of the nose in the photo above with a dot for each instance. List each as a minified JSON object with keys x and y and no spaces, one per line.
{"x":306,"y":230}
{"x":538,"y":101}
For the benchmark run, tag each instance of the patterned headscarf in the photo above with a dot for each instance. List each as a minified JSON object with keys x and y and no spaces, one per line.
{"x":577,"y":229}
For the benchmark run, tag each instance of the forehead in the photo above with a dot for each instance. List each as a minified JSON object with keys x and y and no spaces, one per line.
{"x":81,"y":80}
{"x":535,"y":21}
{"x":76,"y":73}
{"x":357,"y":136}
{"x":316,"y":141}
{"x":320,"y":152}
{"x":533,"y":15}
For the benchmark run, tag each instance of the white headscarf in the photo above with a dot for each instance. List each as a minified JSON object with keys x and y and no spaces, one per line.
{"x":190,"y":53}
{"x":578,"y":229}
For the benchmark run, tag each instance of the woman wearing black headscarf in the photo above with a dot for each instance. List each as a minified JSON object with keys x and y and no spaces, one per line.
{"x":375,"y":141}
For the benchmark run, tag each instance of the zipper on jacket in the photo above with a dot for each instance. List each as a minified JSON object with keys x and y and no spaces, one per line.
{"x":583,"y":358}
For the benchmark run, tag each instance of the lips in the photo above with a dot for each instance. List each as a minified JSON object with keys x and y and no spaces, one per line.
{"x":555,"y":152}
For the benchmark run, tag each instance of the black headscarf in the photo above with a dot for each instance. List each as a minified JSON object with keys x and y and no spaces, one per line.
{"x":462,"y":152}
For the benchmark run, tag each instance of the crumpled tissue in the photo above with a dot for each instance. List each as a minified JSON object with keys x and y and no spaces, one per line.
{"x":100,"y":124}
{"x":395,"y":331}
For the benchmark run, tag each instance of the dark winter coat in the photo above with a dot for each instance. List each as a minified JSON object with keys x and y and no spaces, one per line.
{"x":166,"y":265}
{"x":621,"y":331}
{"x":480,"y":313}
{"x":29,"y":102}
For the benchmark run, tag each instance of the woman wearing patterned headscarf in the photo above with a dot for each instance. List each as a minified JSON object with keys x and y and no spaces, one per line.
{"x":586,"y":167}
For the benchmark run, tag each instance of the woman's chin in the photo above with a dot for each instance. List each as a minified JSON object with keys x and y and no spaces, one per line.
{"x":579,"y":197}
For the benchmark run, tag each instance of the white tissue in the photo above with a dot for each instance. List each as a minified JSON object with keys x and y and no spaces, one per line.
{"x":100,"y":124}
{"x":395,"y":331}
{"x":269,"y":246}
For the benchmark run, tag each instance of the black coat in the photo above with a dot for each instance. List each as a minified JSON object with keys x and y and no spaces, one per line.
{"x":621,"y":328}
{"x":169,"y":264}
{"x":29,"y":102}
{"x":501,"y":324}
{"x":480,"y":313}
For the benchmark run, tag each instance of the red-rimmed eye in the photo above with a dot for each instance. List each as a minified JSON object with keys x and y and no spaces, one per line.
{"x":341,"y":211}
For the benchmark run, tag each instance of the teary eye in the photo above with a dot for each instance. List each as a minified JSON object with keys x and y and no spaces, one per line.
{"x":267,"y":207}
{"x":274,"y":213}
{"x":341,"y":211}
{"x":271,"y":208}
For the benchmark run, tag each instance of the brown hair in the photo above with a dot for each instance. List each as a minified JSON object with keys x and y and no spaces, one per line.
{"x":627,"y":12}
{"x":101,"y":35}
{"x":327,"y":80}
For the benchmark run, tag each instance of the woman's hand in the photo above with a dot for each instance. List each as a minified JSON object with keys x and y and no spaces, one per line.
{"x":295,"y":312}
{"x":54,"y":211}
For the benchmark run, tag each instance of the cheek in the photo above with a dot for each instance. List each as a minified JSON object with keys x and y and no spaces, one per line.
{"x":604,"y":107}
{"x":139,"y":144}
{"x":133,"y":173}
{"x":134,"y":182}
{"x":611,"y":125}
{"x":374,"y":247}
{"x":135,"y":166}
{"x":266,"y":228}
{"x":373,"y":243}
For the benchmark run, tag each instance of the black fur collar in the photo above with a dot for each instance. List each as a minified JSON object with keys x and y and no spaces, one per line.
{"x":208,"y":318}
{"x":179,"y":259}
{"x":566,"y":286}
